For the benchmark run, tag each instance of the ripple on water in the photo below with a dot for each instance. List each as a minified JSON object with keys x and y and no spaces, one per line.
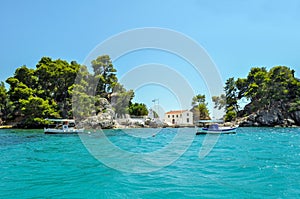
{"x":254,"y":163}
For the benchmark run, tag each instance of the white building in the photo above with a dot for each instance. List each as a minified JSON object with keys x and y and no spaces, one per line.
{"x":179,"y":117}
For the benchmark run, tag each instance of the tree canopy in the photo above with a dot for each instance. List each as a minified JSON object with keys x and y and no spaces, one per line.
{"x":48,"y":90}
{"x":4,"y":102}
{"x":138,"y":109}
{"x":200,"y":107}
{"x":105,"y":75}
{"x":265,"y":89}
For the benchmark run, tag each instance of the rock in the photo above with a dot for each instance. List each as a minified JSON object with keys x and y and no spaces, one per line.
{"x":277,"y":115}
{"x":252,"y":117}
{"x":154,"y":123}
{"x":97,"y":122}
{"x":246,"y":124}
{"x":269,"y":118}
{"x":296,"y":117}
{"x":228,"y":124}
{"x":264,"y":118}
{"x":290,"y":122}
{"x":256,"y":124}
{"x":103,"y":120}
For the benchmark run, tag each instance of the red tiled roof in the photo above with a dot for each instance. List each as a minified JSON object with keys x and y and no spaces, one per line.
{"x":175,"y":112}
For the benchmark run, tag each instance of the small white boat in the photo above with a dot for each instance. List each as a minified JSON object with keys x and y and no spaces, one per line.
{"x":62,"y":126}
{"x":214,"y":128}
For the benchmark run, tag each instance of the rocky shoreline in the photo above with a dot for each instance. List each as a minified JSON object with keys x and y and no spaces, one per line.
{"x":105,"y":119}
{"x":270,"y":118}
{"x":276,"y":117}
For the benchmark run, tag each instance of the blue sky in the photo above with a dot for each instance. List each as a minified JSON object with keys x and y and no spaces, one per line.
{"x":236,"y":34}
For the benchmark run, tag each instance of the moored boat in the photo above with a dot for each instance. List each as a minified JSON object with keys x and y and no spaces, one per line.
{"x":214,"y":128}
{"x":62,"y":126}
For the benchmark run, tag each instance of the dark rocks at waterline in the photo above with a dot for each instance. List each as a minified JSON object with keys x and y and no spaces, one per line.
{"x":271,"y":118}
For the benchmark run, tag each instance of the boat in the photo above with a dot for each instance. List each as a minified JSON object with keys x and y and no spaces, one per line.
{"x":215,"y":128}
{"x":62,"y":126}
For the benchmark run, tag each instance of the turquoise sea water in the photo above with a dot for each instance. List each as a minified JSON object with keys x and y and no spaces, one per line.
{"x":254,"y":163}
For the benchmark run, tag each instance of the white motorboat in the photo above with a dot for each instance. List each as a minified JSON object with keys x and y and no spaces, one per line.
{"x":62,"y":126}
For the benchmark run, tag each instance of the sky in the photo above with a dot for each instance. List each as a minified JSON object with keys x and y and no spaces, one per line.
{"x":236,"y":35}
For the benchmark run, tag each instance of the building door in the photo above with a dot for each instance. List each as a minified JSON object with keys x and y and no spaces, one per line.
{"x":173,"y":121}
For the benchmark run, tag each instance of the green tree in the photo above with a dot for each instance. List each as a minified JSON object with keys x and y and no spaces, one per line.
{"x":230,"y":115}
{"x":138,"y":109}
{"x":280,"y":81}
{"x":82,"y":92}
{"x":50,"y":90}
{"x":51,"y":81}
{"x":200,"y":107}
{"x":3,"y":96}
{"x":231,"y":99}
{"x":36,"y":110}
{"x":276,"y":88}
{"x":4,"y":102}
{"x":26,"y":76}
{"x":56,"y":80}
{"x":121,"y":99}
{"x":105,"y":75}
{"x":18,"y":90}
{"x":219,"y":101}
{"x":257,"y":80}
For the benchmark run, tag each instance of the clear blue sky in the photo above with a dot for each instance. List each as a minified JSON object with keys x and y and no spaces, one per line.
{"x":236,"y":34}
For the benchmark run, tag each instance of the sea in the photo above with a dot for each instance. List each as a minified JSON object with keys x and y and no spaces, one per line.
{"x":150,"y":163}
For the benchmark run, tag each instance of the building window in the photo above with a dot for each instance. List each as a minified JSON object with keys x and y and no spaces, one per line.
{"x":177,"y":116}
{"x":168,"y":116}
{"x":187,"y":114}
{"x":180,"y":115}
{"x":172,"y":116}
{"x":188,"y":120}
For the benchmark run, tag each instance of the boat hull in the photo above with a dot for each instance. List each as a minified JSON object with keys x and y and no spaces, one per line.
{"x":60,"y":131}
{"x":218,"y":131}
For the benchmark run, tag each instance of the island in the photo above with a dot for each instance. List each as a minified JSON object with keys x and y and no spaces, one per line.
{"x":270,"y":98}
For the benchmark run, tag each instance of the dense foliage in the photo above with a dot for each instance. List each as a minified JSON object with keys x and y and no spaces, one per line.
{"x":36,"y":94}
{"x":105,"y":74}
{"x":47,"y":91}
{"x":4,"y":103}
{"x":200,"y":107}
{"x":50,"y":91}
{"x":121,"y":100}
{"x":276,"y":88}
{"x":138,"y":109}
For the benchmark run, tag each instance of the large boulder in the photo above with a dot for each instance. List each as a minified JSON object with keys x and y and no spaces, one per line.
{"x":103,"y":120}
{"x":269,"y":118}
{"x":104,"y":105}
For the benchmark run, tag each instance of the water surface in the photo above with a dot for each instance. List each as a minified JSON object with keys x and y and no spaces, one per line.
{"x":254,"y":163}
